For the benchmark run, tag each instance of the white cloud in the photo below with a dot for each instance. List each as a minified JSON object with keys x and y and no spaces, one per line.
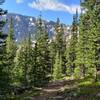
{"x":19,"y":1}
{"x":53,"y":5}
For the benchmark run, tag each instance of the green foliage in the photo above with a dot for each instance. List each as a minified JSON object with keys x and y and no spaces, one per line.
{"x":71,"y":48}
{"x":59,"y":38}
{"x":52,"y":49}
{"x":10,"y":51}
{"x":85,"y":55}
{"x":4,"y":75}
{"x":57,"y":68}
{"x":24,"y":62}
{"x":78,"y":72}
{"x":42,"y":56}
{"x":34,"y":63}
{"x":58,"y":44}
{"x":87,"y":52}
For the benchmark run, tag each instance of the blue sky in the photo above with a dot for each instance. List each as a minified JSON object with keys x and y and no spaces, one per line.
{"x":51,"y":9}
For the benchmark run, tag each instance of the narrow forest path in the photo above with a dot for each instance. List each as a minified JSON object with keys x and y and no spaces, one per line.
{"x":73,"y":89}
{"x":53,"y":89}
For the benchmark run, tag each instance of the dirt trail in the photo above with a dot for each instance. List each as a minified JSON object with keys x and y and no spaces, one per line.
{"x":53,"y":89}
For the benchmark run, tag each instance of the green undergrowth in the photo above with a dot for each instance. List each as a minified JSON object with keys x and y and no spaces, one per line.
{"x":24,"y":96}
{"x":86,"y":89}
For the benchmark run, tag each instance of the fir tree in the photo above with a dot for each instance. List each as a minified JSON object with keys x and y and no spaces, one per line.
{"x":96,"y":35}
{"x":24,"y":62}
{"x":4,"y":76}
{"x":59,"y":38}
{"x":82,"y":47}
{"x":10,"y":50}
{"x":43,"y":54}
{"x":52,"y":48}
{"x":57,"y":68}
{"x":60,"y":43}
{"x":71,"y":49}
{"x":87,"y":56}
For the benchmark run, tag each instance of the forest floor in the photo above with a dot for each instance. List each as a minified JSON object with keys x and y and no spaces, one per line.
{"x":66,"y":89}
{"x":53,"y":89}
{"x":83,"y":89}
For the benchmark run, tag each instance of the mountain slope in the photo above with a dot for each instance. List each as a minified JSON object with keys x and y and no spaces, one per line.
{"x":23,"y":25}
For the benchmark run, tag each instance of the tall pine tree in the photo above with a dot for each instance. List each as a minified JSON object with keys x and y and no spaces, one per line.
{"x":87,"y":55}
{"x":57,"y":68}
{"x":58,"y":44}
{"x":43,"y":60}
{"x":10,"y":50}
{"x":4,"y":76}
{"x":71,"y":48}
{"x":24,"y":62}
